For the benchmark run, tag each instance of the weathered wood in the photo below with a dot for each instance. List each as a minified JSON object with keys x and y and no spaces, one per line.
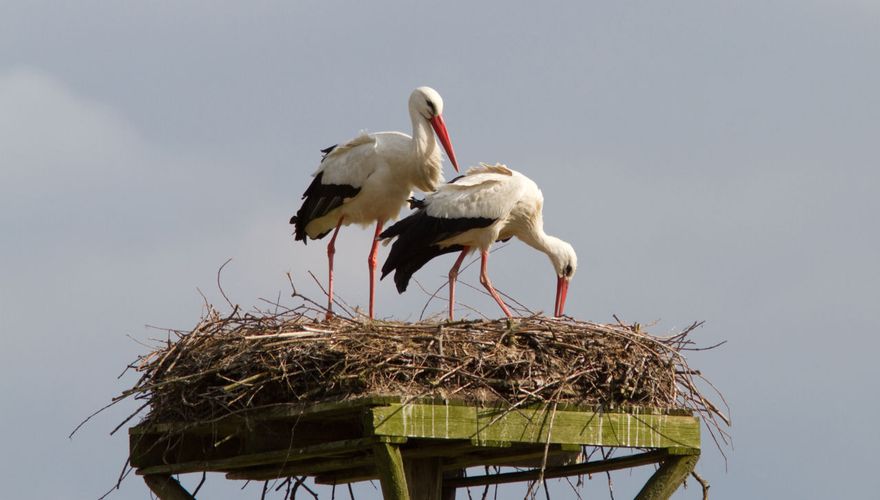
{"x":671,"y":474}
{"x":166,"y":488}
{"x":493,"y":426}
{"x":319,"y":467}
{"x":435,"y":448}
{"x":266,"y":458}
{"x":329,"y":459}
{"x":448,"y":492}
{"x":293,"y":411}
{"x":617,"y":463}
{"x":332,"y":409}
{"x":358,"y":440}
{"x":424,"y":478}
{"x":391,"y":473}
{"x":511,"y":457}
{"x":356,"y":470}
{"x":154,"y":449}
{"x":351,"y":475}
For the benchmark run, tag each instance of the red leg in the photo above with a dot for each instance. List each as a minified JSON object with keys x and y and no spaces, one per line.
{"x":453,"y":276}
{"x":484,"y":279}
{"x":371,"y":261}
{"x":331,"y":249}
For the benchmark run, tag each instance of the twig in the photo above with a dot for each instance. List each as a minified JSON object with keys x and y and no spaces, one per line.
{"x":220,"y":287}
{"x":703,"y":483}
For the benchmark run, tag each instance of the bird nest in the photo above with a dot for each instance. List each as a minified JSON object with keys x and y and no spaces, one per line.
{"x":235,"y":362}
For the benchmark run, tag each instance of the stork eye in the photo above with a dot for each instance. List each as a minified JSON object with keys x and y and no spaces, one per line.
{"x":568,"y":270}
{"x":433,"y":108}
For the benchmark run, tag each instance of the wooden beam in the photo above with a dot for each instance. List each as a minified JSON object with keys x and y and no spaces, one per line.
{"x":352,"y":475}
{"x":280,"y":457}
{"x":510,"y":457}
{"x":350,"y":469}
{"x":617,"y":463}
{"x":307,"y":468}
{"x":316,"y":461}
{"x":671,"y":474}
{"x":391,"y":473}
{"x":361,"y":443}
{"x":292,"y":411}
{"x":149,"y":450}
{"x":167,"y":488}
{"x":334,"y":409}
{"x":448,"y":492}
{"x":426,"y":449}
{"x":531,"y":425}
{"x":424,"y":478}
{"x":364,"y":470}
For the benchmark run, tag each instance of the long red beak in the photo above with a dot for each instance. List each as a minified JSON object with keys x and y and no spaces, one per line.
{"x":443,"y":135}
{"x":561,"y":292}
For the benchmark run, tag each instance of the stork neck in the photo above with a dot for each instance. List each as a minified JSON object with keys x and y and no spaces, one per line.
{"x":539,"y":240}
{"x":423,"y":136}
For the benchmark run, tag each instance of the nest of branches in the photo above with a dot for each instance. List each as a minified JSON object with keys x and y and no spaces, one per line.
{"x":231,"y":363}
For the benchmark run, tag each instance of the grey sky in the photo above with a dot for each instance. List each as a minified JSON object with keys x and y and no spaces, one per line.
{"x":708,"y":160}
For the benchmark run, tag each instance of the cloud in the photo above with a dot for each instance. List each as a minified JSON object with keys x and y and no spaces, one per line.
{"x":51,"y":138}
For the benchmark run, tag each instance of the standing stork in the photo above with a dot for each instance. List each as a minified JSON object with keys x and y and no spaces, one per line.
{"x":369,"y":179}
{"x":489,"y":203}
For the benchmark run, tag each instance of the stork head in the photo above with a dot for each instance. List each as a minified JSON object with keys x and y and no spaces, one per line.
{"x":564,"y":261}
{"x":428,"y":104}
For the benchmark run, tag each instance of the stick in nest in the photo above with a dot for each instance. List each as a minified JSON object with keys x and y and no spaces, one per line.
{"x":230,"y":363}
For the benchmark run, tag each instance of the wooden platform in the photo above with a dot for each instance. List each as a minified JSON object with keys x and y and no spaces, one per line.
{"x":427,"y":441}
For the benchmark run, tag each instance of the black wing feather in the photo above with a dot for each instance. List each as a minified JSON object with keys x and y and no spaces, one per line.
{"x":326,"y":151}
{"x":418,"y":238}
{"x":320,"y":199}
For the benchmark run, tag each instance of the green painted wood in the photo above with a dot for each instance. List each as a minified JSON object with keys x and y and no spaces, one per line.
{"x":447,"y":492}
{"x":316,"y":463}
{"x":426,"y":449}
{"x":299,"y":411}
{"x":391,"y":473}
{"x":424,"y":478}
{"x":493,"y":426}
{"x":611,"y":464}
{"x":314,"y":467}
{"x":198,"y":445}
{"x":352,"y":475}
{"x":166,"y":488}
{"x":671,"y":474}
{"x":343,"y":441}
{"x":266,"y":458}
{"x":512,"y":457}
{"x":357,"y":470}
{"x":351,"y":406}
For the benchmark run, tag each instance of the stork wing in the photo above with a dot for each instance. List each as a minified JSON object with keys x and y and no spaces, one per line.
{"x":343,"y":171}
{"x":418,"y":237}
{"x":350,"y":163}
{"x":485,"y":192}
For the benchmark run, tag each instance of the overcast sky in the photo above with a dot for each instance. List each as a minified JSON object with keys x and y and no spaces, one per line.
{"x":708,"y":160}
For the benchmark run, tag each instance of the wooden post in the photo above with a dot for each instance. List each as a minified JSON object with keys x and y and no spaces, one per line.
{"x":389,"y":464}
{"x":166,"y":488}
{"x":448,"y":491}
{"x":424,"y":478}
{"x":671,"y":474}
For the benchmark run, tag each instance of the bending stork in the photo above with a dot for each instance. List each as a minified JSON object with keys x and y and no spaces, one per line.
{"x":473,"y":211}
{"x":369,"y":179}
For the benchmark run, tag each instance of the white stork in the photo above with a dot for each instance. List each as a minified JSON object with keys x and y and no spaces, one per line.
{"x":369,"y":179}
{"x":489,"y":203}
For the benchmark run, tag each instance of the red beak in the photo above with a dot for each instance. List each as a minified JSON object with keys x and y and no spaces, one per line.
{"x":561,"y":291}
{"x":443,"y":135}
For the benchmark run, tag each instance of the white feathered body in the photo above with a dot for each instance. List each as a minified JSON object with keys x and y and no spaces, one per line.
{"x":385,"y":167}
{"x":490,"y":191}
{"x":488,"y":204}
